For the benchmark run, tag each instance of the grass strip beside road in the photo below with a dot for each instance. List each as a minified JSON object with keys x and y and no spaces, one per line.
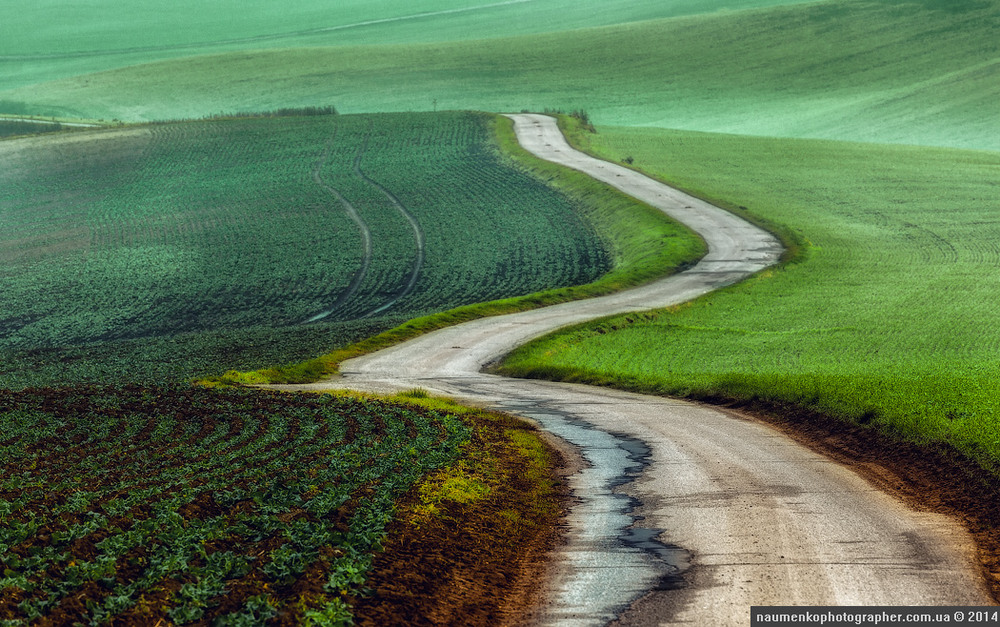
{"x":642,"y":242}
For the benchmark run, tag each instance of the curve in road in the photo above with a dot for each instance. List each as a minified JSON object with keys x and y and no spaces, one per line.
{"x":741,"y":515}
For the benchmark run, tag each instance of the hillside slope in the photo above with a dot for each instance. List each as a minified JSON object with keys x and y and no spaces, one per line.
{"x":55,"y":40}
{"x":886,"y":320}
{"x":887,"y":71}
{"x":186,"y":232}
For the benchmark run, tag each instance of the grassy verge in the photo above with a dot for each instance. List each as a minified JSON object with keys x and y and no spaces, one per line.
{"x":796,"y":245}
{"x":643,"y":244}
{"x":885,"y":322}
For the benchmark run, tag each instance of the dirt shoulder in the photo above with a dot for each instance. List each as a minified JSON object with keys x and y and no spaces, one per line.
{"x":476,"y":563}
{"x":930,"y":478}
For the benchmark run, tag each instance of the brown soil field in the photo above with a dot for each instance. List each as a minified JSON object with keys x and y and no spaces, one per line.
{"x":453,"y":555}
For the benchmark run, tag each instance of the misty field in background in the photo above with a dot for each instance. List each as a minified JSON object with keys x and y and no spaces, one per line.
{"x":920,"y":72}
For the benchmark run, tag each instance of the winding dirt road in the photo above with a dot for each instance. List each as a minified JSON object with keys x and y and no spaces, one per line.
{"x":688,"y":514}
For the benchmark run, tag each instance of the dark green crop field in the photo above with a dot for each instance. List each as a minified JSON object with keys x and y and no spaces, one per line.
{"x":224,"y":507}
{"x":235,"y":242}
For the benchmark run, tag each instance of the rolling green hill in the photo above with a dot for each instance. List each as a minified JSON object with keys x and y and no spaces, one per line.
{"x":154,"y":253}
{"x":56,"y":40}
{"x":883,"y":71}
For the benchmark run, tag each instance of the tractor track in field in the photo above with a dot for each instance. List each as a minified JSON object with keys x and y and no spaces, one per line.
{"x":366,"y":237}
{"x":685,"y":513}
{"x":418,"y":236}
{"x":363,"y":230}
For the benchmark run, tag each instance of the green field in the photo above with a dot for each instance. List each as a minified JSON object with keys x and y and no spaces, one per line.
{"x":55,"y":40}
{"x":886,"y":316}
{"x":153,"y":253}
{"x":13,"y":127}
{"x":884,"y":71}
{"x":149,"y":254}
{"x":241,"y":231}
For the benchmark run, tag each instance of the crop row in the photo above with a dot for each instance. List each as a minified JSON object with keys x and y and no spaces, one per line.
{"x":199,"y":505}
{"x":164,"y":244}
{"x":461,"y":192}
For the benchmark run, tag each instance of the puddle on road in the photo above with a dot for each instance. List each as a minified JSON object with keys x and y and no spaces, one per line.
{"x":609,"y":562}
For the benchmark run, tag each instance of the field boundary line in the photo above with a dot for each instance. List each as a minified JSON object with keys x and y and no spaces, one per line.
{"x":4,"y":118}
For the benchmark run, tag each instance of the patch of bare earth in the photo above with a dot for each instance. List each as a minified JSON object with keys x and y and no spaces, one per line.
{"x":478,"y":563}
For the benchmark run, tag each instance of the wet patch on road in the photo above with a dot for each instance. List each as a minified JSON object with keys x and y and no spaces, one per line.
{"x":610,"y":560}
